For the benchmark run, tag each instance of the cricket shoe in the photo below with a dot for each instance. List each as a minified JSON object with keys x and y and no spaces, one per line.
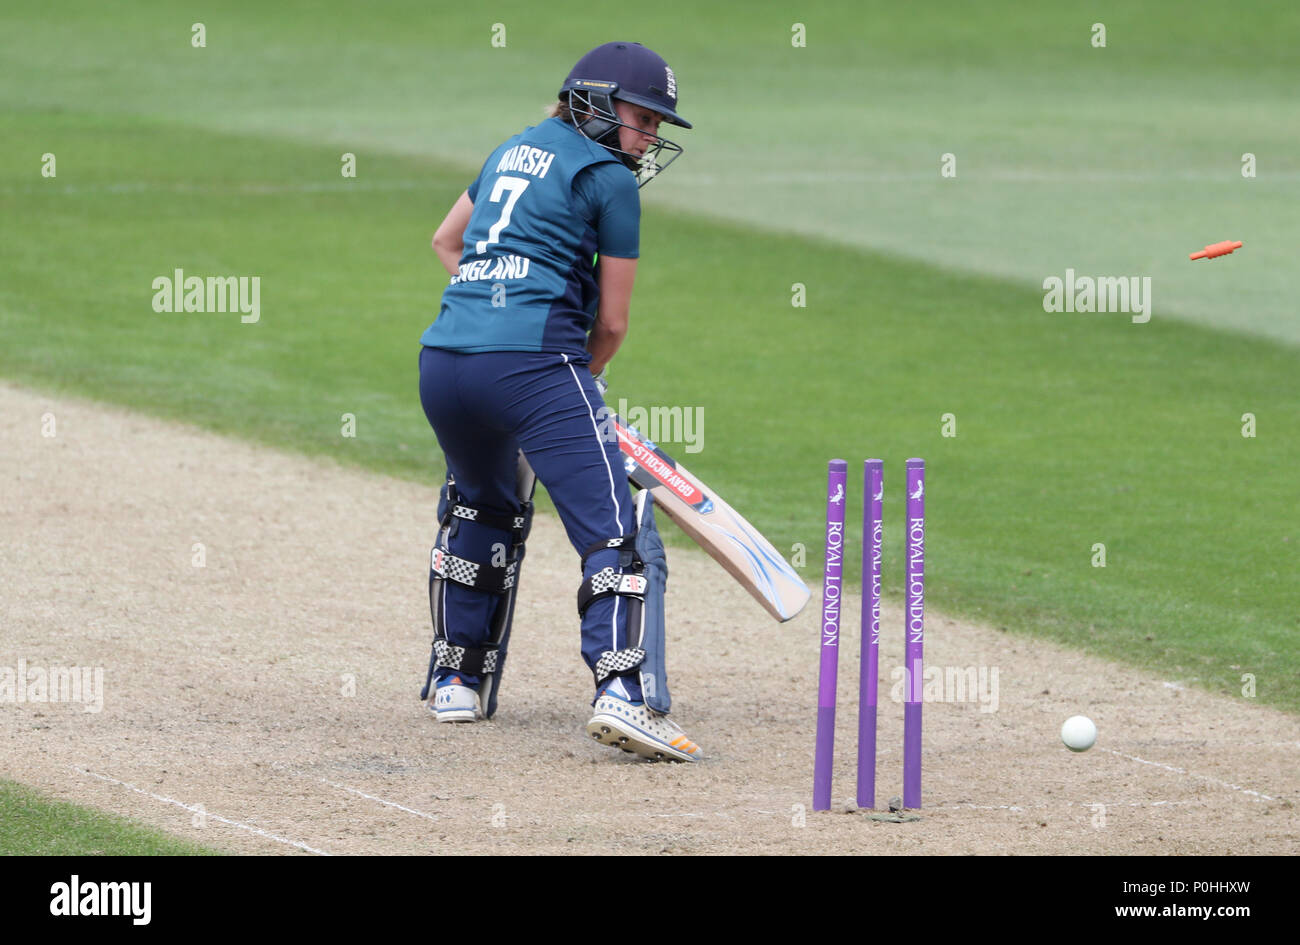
{"x":632,"y":727}
{"x":455,"y":702}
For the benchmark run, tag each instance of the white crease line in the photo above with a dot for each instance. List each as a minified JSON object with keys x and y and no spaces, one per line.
{"x":205,"y":813}
{"x":1190,"y":774}
{"x":1017,"y":808}
{"x":1022,"y":808}
{"x":380,"y":800}
{"x":721,"y":814}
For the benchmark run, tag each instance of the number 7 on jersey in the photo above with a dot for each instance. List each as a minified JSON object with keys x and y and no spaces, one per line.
{"x":516,"y":186}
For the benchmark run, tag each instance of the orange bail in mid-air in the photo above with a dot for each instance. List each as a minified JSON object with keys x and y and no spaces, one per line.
{"x":1216,"y":249}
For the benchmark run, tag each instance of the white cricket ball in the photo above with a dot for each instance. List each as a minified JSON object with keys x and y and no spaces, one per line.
{"x":1078,"y":733}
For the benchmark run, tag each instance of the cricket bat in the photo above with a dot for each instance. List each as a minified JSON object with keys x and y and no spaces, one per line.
{"x":716,"y":527}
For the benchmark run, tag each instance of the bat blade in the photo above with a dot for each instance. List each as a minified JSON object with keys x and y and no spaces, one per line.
{"x":714,"y":525}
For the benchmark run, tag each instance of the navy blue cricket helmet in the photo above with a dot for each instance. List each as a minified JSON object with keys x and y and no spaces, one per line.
{"x":627,"y":72}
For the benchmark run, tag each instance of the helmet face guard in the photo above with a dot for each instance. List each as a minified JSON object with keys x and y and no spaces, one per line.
{"x":591,"y":105}
{"x":631,"y":73}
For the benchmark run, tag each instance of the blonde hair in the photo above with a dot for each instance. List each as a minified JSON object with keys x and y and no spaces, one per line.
{"x":560,"y":110}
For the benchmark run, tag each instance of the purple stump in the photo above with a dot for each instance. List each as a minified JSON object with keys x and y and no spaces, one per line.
{"x":873,"y":487}
{"x":836,"y":479}
{"x":914,"y":609}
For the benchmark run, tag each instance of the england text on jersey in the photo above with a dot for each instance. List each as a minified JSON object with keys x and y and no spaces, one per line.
{"x":526,"y":160}
{"x":503,"y":267}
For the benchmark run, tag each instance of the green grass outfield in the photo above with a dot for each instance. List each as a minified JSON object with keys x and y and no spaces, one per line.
{"x":34,"y":825}
{"x":1117,"y":160}
{"x":1072,"y":429}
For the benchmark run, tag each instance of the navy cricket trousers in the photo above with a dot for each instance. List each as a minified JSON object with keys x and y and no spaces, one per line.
{"x":484,"y":408}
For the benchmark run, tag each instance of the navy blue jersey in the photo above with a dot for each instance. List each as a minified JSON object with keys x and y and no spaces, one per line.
{"x":546,"y":202}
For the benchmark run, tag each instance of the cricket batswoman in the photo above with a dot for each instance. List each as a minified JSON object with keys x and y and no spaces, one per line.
{"x":542,"y":249}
